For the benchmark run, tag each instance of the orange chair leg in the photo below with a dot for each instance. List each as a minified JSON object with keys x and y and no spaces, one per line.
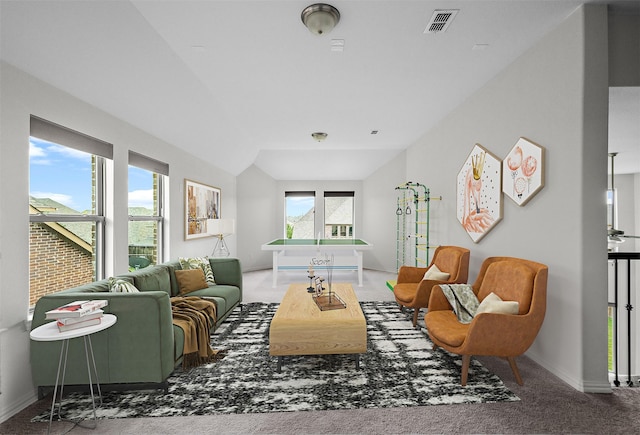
{"x":466,"y":359}
{"x":514,"y":368}
{"x":416,"y":311}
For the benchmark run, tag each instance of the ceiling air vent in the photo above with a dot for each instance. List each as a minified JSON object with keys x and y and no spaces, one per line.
{"x":440,"y":20}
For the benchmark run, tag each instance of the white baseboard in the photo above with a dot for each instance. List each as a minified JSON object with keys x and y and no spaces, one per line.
{"x":12,"y":409}
{"x":578,"y":384}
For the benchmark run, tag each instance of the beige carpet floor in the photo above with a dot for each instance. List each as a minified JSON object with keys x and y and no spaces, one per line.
{"x":547,"y":405}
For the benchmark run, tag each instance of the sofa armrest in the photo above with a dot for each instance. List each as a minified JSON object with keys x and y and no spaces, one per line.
{"x":227,"y":271}
{"x":138,"y":348}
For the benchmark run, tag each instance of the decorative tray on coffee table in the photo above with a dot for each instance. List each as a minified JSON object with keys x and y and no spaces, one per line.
{"x":329,"y":302}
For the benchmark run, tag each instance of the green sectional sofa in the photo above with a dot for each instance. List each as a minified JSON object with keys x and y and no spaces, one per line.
{"x":143,"y":347}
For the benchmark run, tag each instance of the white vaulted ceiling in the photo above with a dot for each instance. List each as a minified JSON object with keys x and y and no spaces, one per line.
{"x":244,"y":82}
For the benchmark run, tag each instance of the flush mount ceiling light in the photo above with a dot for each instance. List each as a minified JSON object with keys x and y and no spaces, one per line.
{"x":320,"y":18}
{"x":319,"y":136}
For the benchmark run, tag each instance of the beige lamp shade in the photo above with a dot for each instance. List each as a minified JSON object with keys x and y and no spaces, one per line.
{"x":221,"y":227}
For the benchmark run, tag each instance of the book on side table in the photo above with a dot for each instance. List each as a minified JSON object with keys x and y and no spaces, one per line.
{"x":76,"y":309}
{"x":69,"y":323}
{"x":77,"y":314}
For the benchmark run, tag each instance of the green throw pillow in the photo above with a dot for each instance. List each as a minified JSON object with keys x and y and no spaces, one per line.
{"x":121,"y":286}
{"x":199,"y":262}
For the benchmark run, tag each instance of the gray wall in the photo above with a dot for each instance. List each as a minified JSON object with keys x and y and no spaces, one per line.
{"x":624,"y":49}
{"x":555,"y":94}
{"x":22,"y":96}
{"x":563,"y":226}
{"x":259,"y":193}
{"x":319,"y":187}
{"x":257,"y":216}
{"x":379,"y":209}
{"x":261,"y":212}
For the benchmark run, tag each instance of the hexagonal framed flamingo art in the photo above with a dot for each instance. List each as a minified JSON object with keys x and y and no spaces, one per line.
{"x":479,"y":193}
{"x":523,"y":171}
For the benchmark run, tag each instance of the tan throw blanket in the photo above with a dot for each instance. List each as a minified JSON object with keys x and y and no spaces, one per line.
{"x":195,"y":316}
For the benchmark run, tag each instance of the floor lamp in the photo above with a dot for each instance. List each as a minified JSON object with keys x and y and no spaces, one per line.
{"x":221,"y":228}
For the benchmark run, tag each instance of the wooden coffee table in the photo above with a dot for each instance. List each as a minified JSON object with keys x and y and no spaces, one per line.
{"x":299,"y":327}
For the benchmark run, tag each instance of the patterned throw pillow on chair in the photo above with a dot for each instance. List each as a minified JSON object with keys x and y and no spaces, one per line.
{"x":121,"y":286}
{"x":199,"y":262}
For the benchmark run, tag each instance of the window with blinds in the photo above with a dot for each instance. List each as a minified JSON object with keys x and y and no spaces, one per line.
{"x":66,"y":207}
{"x":338,"y":215}
{"x":299,"y":215}
{"x":147,"y":179}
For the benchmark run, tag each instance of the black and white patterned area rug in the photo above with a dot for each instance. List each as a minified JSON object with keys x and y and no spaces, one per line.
{"x":399,"y":369}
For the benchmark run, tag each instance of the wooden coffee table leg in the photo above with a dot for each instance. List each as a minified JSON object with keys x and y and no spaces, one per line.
{"x":280,"y":364}
{"x":357,"y":358}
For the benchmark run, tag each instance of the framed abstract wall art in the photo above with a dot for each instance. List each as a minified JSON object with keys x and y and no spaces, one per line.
{"x":479,"y":193}
{"x":523,"y":171}
{"x":201,"y":202}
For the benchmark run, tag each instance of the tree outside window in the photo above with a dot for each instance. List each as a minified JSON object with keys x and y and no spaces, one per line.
{"x":145,"y":207}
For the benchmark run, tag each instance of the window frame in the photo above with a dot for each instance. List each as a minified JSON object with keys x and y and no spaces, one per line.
{"x":101,"y":152}
{"x":348,"y":228}
{"x":138,"y":162}
{"x":299,"y":194}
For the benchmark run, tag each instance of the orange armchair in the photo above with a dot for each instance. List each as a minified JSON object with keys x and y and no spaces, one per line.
{"x":493,"y":334}
{"x":412,"y":291}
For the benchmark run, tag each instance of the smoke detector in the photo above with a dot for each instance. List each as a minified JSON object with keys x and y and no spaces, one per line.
{"x":440,"y":20}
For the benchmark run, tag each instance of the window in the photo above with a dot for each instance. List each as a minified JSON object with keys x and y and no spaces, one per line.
{"x":299,"y":215}
{"x":66,"y":208}
{"x":338,"y":215}
{"x":146,"y":210}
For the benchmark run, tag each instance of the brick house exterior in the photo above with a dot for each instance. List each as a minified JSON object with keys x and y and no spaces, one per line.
{"x":62,"y":256}
{"x":55,"y":262}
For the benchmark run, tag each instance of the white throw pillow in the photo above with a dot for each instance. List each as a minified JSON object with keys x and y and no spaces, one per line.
{"x":121,"y":286}
{"x":435,"y":274}
{"x":199,"y":262}
{"x":493,"y":304}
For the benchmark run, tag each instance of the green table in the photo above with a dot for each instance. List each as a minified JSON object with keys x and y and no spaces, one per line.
{"x":299,"y":254}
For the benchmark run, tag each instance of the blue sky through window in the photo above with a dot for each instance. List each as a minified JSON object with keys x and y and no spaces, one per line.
{"x":140,"y":188}
{"x":299,"y":205}
{"x":63,"y":174}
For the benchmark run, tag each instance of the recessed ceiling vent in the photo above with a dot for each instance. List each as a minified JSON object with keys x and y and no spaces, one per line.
{"x":440,"y":20}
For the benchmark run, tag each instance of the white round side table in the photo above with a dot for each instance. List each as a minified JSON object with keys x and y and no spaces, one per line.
{"x":50,"y":332}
